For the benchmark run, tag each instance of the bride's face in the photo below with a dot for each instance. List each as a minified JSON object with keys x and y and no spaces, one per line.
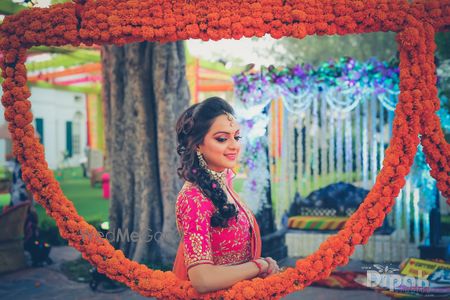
{"x":221,"y":145}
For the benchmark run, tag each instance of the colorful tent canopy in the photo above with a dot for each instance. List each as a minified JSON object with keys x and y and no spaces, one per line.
{"x":80,"y":70}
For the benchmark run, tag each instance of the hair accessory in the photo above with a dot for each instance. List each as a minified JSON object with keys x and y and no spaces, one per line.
{"x":220,"y":177}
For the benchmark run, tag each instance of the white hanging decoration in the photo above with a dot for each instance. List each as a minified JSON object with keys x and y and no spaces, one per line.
{"x":342,"y":100}
{"x":323,"y":130}
{"x":358,"y":146}
{"x":283,"y":198}
{"x":314,"y":134}
{"x":373,"y":135}
{"x":389,"y":99}
{"x":339,"y":145}
{"x":365,"y":144}
{"x":307,"y":175}
{"x":331,"y":160}
{"x":297,"y":103}
{"x":381,"y":142}
{"x":348,"y":147}
{"x":300,"y":142}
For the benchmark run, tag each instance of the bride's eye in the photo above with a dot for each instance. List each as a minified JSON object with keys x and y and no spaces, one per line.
{"x":221,"y":140}
{"x":238,"y":138}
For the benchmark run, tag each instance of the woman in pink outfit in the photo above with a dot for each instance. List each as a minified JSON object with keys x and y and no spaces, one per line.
{"x":220,"y":241}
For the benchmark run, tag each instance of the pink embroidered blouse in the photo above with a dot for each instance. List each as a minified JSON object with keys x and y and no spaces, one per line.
{"x":204,"y":244}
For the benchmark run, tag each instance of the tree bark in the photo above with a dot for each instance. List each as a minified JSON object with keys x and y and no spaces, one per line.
{"x":144,"y":91}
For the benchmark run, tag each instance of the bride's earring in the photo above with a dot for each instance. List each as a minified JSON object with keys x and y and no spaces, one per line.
{"x":201,"y":160}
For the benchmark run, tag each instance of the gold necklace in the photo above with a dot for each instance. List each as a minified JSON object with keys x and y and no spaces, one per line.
{"x":220,"y":177}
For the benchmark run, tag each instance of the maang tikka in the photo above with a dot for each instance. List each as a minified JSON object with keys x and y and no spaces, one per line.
{"x":230,"y":118}
{"x":220,"y":177}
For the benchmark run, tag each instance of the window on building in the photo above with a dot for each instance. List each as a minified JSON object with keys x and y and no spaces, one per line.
{"x":69,"y":143}
{"x":40,"y":129}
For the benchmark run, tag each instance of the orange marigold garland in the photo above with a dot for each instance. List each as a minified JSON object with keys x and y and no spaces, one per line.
{"x":436,"y":149}
{"x":88,"y":22}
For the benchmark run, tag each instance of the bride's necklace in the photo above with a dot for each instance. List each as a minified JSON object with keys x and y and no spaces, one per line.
{"x":220,"y":177}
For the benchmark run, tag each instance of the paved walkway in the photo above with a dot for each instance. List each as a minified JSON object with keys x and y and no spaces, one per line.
{"x":49,"y":283}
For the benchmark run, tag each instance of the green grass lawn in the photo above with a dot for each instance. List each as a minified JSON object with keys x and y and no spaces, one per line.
{"x":5,"y":173}
{"x":4,"y":199}
{"x":87,"y":200}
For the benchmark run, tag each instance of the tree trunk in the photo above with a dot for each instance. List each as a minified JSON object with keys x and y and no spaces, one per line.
{"x":145,"y":90}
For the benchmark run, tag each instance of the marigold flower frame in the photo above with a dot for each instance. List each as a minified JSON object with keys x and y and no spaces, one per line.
{"x":120,"y":22}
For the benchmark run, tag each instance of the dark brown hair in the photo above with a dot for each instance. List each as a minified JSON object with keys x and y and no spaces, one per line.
{"x":191,"y":128}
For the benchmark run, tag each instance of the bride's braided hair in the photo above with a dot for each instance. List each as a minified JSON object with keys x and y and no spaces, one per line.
{"x":191,"y":128}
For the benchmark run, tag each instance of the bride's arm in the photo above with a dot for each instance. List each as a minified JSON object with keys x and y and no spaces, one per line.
{"x":208,"y":278}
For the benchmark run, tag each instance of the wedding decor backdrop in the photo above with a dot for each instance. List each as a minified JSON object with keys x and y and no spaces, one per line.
{"x":326,"y":124}
{"x":320,"y":106}
{"x":89,"y":22}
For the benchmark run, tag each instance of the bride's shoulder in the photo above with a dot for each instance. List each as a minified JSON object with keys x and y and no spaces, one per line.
{"x":189,"y":186}
{"x":190,"y":196}
{"x":189,"y":189}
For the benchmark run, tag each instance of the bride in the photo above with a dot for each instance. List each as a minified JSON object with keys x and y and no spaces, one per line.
{"x":220,"y":241}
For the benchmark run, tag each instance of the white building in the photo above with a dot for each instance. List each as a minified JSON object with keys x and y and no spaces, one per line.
{"x":61,"y":121}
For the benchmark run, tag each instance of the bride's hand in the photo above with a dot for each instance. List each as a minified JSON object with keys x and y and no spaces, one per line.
{"x":273,"y":267}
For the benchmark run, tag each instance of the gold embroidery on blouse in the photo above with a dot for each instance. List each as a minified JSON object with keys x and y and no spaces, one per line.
{"x":225,"y":255}
{"x":199,"y":262}
{"x":197,"y":240}
{"x":233,"y":257}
